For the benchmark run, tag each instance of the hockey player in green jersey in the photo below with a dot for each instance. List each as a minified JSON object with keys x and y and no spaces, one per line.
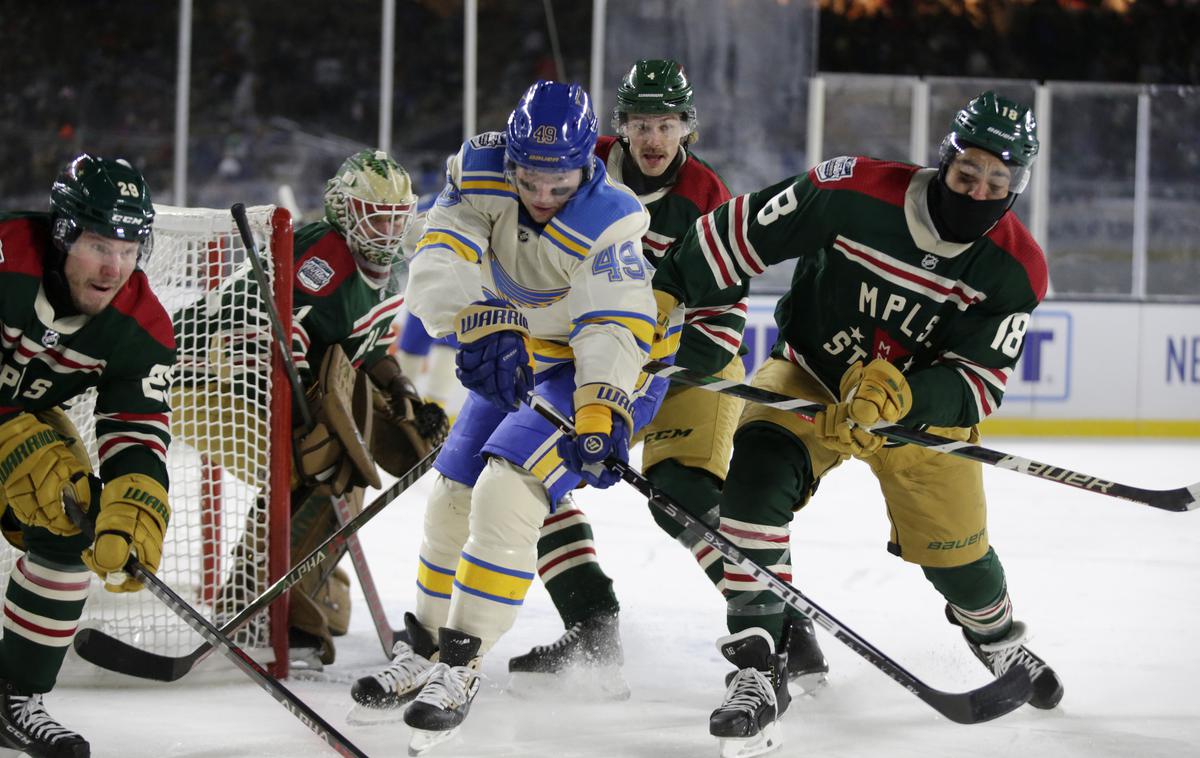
{"x":341,"y":312}
{"x":909,"y":303}
{"x":76,"y":313}
{"x":687,"y":445}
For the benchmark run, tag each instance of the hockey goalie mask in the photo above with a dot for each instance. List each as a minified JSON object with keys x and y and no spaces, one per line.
{"x":371,"y":202}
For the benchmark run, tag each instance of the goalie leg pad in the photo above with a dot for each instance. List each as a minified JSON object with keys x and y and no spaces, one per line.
{"x":500,"y":557}
{"x":446,"y":524}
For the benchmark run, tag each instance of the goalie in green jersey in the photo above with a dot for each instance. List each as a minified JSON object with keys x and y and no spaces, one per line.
{"x":912,"y":292}
{"x":366,"y":412}
{"x":76,"y":314}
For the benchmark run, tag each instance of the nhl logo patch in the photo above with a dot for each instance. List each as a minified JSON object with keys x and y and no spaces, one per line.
{"x":929,"y":262}
{"x":49,"y":338}
{"x":836,"y":169}
{"x":314,"y":274}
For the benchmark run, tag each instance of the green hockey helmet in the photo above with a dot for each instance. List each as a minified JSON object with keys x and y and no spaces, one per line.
{"x":370,"y":200}
{"x":656,"y":86}
{"x":1000,"y":126}
{"x":108,"y":197}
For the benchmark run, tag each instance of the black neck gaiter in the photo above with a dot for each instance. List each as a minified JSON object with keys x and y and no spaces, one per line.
{"x":960,"y":218}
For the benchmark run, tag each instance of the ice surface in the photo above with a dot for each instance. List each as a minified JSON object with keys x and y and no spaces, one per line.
{"x":1108,"y":588}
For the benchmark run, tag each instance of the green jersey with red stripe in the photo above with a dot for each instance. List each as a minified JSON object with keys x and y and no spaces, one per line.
{"x":874,"y":280}
{"x":712,"y":330}
{"x":49,"y":357}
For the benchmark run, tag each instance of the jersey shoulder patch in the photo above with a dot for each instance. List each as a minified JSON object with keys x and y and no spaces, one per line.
{"x":484,"y":152}
{"x":322,"y":263}
{"x":886,"y":181}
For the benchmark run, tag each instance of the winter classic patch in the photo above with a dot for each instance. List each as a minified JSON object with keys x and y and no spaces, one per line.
{"x":836,"y":169}
{"x":314,"y":274}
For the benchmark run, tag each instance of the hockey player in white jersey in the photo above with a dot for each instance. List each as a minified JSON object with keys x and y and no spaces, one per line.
{"x":532,"y":258}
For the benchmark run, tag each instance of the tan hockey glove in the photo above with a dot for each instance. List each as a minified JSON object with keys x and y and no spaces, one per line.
{"x":133,"y":518}
{"x":35,"y":466}
{"x":877,"y":393}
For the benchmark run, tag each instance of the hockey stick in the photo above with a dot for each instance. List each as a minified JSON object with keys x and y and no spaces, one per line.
{"x":216,"y":638}
{"x":113,"y":654}
{"x":387,"y":634}
{"x":1178,"y":500}
{"x":990,"y":701}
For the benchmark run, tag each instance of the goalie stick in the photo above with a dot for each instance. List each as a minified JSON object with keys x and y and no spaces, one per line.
{"x":1177,"y":500}
{"x":113,"y":654}
{"x":387,"y":634}
{"x":994,"y":699}
{"x":276,"y":689}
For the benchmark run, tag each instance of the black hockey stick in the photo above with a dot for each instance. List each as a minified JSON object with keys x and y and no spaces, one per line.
{"x":387,"y":634}
{"x":113,"y":654}
{"x":994,"y":699}
{"x":229,"y":649}
{"x":1178,"y":500}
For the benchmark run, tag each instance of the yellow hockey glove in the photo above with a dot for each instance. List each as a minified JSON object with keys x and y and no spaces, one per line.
{"x":35,"y":466}
{"x":133,"y":518}
{"x":877,"y":393}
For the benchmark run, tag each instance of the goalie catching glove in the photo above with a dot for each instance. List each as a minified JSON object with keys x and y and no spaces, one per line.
{"x":133,"y":518}
{"x":871,"y":395}
{"x":602,"y":426}
{"x":35,"y":466}
{"x":492,"y":358}
{"x":405,"y":428}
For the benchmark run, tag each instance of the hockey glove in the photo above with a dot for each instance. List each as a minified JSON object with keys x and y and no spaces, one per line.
{"x":35,"y":466}
{"x":403,"y":405}
{"x":602,"y":426}
{"x":492,"y":358}
{"x":666,"y":306}
{"x":876,"y":394}
{"x":133,"y":518}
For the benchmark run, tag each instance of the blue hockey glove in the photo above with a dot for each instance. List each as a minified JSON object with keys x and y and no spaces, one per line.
{"x":492,"y":358}
{"x":602,"y":426}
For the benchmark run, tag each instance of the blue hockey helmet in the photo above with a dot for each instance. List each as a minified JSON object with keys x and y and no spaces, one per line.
{"x":553,"y":128}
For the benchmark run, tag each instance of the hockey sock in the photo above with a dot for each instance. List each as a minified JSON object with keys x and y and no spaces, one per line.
{"x":42,"y":607}
{"x":697,"y":491}
{"x":568,"y":567}
{"x":768,"y":476}
{"x":977,"y":596}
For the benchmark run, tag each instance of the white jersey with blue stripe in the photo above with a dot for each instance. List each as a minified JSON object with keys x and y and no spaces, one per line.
{"x":580,"y":279}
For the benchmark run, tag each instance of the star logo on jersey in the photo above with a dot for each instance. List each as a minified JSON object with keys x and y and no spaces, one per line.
{"x":49,"y":338}
{"x":929,"y":262}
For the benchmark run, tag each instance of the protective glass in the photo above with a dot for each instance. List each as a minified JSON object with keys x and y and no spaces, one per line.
{"x":643,"y":126}
{"x":1014,"y":179}
{"x":558,"y":184}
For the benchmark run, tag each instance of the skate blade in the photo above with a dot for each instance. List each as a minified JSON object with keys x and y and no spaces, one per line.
{"x":423,"y":740}
{"x":588,"y":685}
{"x":766,"y":741}
{"x":365,"y":715}
{"x":810,"y":684}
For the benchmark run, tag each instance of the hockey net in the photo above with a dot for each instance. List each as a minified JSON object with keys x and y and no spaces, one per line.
{"x":229,"y":460}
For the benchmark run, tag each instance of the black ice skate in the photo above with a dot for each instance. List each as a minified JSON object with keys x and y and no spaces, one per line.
{"x":27,"y":727}
{"x":378,"y":697}
{"x":1001,"y":655}
{"x":747,"y":722}
{"x":443,"y":703}
{"x":806,"y":664}
{"x":585,"y":662}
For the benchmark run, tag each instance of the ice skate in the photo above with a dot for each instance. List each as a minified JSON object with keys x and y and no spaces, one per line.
{"x":584,"y":663}
{"x":806,"y":664}
{"x":378,"y":697}
{"x":747,"y":723}
{"x":1001,"y":655}
{"x":27,"y":727}
{"x":451,"y":685}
